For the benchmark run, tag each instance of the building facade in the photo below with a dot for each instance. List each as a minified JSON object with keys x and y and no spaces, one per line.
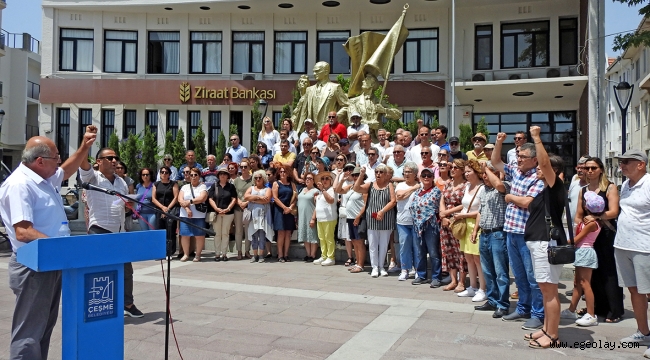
{"x":176,"y":64}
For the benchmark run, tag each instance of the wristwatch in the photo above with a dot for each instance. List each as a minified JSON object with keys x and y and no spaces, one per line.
{"x":191,"y":201}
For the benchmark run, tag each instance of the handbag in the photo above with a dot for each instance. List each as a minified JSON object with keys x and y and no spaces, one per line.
{"x":559,"y":254}
{"x":138,"y":207}
{"x":294,"y":211}
{"x":202,"y":207}
{"x":459,"y":226}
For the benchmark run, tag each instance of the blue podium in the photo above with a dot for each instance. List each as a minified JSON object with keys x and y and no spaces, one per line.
{"x":93,"y":285}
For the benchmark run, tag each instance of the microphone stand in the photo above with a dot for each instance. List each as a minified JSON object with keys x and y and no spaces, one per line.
{"x":170,"y":239}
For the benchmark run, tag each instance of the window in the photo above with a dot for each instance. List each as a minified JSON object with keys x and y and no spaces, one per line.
{"x":421,"y":51}
{"x":247,"y":52}
{"x":428,"y":116}
{"x":277,"y":120}
{"x":120,"y":51}
{"x":130,"y":118}
{"x":194,"y":119}
{"x":568,"y":41}
{"x":63,"y":133}
{"x":76,"y":50}
{"x":290,"y":52}
{"x":330,"y":49}
{"x":646,"y":108}
{"x":152,"y":121}
{"x":483,"y":47}
{"x":205,"y":52}
{"x":108,"y":126}
{"x":214,"y":129}
{"x":172,"y":123}
{"x":637,"y":112}
{"x":85,"y":119}
{"x":524,"y":45}
{"x":637,"y":70}
{"x":164,"y":55}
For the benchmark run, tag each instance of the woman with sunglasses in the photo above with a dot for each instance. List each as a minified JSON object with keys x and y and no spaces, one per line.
{"x":254,"y":163}
{"x":284,"y":202}
{"x":443,"y":155}
{"x":227,"y":159}
{"x":355,"y":206}
{"x":443,"y":172}
{"x":168,"y":161}
{"x":233,"y":171}
{"x":259,"y":199}
{"x":268,"y":134}
{"x":265,"y":156}
{"x":306,"y":206}
{"x":191,"y":194}
{"x":382,"y":220}
{"x":339,"y":166}
{"x":332,"y":149}
{"x":144,"y":193}
{"x":608,"y":297}
{"x":165,"y":197}
{"x":451,"y":202}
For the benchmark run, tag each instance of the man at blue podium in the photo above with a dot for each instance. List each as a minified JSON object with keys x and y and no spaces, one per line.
{"x":32,"y":208}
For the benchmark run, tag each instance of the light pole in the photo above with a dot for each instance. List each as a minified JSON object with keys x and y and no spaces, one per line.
{"x":623,"y":91}
{"x":264,"y":105}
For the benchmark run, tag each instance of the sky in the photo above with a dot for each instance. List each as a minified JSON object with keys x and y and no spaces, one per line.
{"x":25,"y":16}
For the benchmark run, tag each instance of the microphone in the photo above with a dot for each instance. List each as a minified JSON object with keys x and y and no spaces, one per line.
{"x":92,"y":187}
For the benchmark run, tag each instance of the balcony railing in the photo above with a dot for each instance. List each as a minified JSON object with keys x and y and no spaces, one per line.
{"x":33,"y":90}
{"x":20,"y":41}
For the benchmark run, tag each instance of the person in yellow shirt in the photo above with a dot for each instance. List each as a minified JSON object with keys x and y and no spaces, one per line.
{"x":479,"y":140}
{"x":285,"y":156}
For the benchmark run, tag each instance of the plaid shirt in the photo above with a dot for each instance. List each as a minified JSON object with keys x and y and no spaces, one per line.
{"x":493,"y":207}
{"x":522,"y":185}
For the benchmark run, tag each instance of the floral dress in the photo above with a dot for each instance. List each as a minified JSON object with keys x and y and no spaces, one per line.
{"x":452,"y":258}
{"x":424,"y":209}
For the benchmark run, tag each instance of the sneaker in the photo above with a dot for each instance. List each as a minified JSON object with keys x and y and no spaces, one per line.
{"x":446,"y":280}
{"x":412,"y":273}
{"x":393,"y":267}
{"x":327,"y":262}
{"x":638,"y":337}
{"x":419,"y":281}
{"x":646,"y":354}
{"x":383,"y":272}
{"x":403,"y":275}
{"x":318,"y":261}
{"x":375,"y":272}
{"x":133,"y":312}
{"x":479,"y":296}
{"x":255,"y":259}
{"x":435,"y":283}
{"x":568,"y":314}
{"x":533,"y":324}
{"x":469,"y":292}
{"x":261,"y":260}
{"x":515,"y":316}
{"x":587,"y":320}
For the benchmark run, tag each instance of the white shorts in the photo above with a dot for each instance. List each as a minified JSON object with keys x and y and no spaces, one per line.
{"x":544,"y":271}
{"x":633,"y":268}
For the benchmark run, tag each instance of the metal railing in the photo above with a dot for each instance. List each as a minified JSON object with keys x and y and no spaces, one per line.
{"x":33,"y":90}
{"x":20,"y":41}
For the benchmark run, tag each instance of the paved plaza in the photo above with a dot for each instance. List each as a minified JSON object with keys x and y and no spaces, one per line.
{"x":239,"y":310}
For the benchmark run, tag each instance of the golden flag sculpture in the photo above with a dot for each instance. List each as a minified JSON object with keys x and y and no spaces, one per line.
{"x":360,"y":48}
{"x":382,"y":59}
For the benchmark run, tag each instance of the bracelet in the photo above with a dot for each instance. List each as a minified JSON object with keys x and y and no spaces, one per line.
{"x":538,"y":142}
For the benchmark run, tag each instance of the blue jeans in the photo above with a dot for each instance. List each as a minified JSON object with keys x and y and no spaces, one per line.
{"x":151,"y":218}
{"x":530,"y":297}
{"x":429,"y":244}
{"x":494,"y":262}
{"x":409,"y":247}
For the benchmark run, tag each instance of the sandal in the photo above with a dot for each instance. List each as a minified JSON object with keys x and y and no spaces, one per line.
{"x":536,"y":345}
{"x":614,"y":320}
{"x":348,"y":262}
{"x":197,"y":259}
{"x":247,"y":255}
{"x":530,"y":337}
{"x":239,"y":256}
{"x":281,"y":259}
{"x":356,"y":269}
{"x":459,"y":289}
{"x":184,"y":258}
{"x":450,"y":287}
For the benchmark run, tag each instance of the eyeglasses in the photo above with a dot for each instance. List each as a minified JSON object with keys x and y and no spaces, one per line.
{"x":519,"y":138}
{"x":426,"y":176}
{"x":339,"y":159}
{"x":164,"y":173}
{"x":119,"y":168}
{"x":147,"y":174}
{"x":168,"y":159}
{"x":310,"y":178}
{"x":331,"y":117}
{"x":591,"y":168}
{"x":109,"y":158}
{"x":397,"y":151}
{"x":425,"y":153}
{"x":379,"y":171}
{"x":373,"y":154}
{"x":186,"y":172}
{"x":443,"y":164}
{"x":194,"y":175}
{"x":407,"y":172}
{"x":424,"y":134}
{"x":233,"y":139}
{"x":243,"y":167}
{"x":626,"y":161}
{"x":523,"y":157}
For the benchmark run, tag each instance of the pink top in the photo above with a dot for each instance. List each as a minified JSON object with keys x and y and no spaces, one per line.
{"x":587,"y":241}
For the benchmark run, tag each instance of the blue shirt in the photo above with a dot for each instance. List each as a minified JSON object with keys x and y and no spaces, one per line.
{"x":180,"y":176}
{"x":144,"y":195}
{"x":238,"y":153}
{"x":445,"y":146}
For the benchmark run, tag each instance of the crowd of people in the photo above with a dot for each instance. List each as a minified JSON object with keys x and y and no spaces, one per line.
{"x":418,"y":207}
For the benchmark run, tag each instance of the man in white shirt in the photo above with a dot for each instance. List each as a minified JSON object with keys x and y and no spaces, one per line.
{"x":319,"y":144}
{"x":354,"y":128}
{"x":373,"y":162}
{"x":309,"y":124}
{"x":407,"y":140}
{"x":384,"y":146}
{"x":397,"y":162}
{"x":284,"y":135}
{"x":362,"y":151}
{"x":32,"y":208}
{"x":106,"y":212}
{"x":632,"y":242}
{"x":425,"y":141}
{"x":236,"y":150}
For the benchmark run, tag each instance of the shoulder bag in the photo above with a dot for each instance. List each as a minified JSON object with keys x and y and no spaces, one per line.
{"x":294,"y":211}
{"x":138,"y":207}
{"x":202,"y":207}
{"x":459,"y":226}
{"x":559,"y":254}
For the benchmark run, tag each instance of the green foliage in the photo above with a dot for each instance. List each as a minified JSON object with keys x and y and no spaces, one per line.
{"x":465,"y":137}
{"x":391,"y":126}
{"x":114,"y":143}
{"x":199,"y":145}
{"x":286,"y":112}
{"x":435,"y":123}
{"x":481,"y":127}
{"x":179,"y":149}
{"x":232,"y":130}
{"x":130,"y":152}
{"x":220,"y":150}
{"x":149,"y":150}
{"x":624,"y":41}
{"x":169,"y":143}
{"x":344,"y":82}
{"x":256,"y":126}
{"x":295,"y":97}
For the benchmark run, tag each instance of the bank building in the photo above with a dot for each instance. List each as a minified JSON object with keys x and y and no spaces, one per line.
{"x":172,"y":64}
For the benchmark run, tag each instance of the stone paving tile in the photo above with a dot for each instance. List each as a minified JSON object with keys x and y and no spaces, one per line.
{"x":237,"y":348}
{"x":314,"y":346}
{"x":326,"y":334}
{"x":283,"y":354}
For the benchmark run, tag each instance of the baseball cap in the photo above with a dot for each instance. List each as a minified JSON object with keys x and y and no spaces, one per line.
{"x":355,"y":114}
{"x":489,"y":146}
{"x":344,"y":141}
{"x":454,"y":139}
{"x":634,"y":154}
{"x":309,"y":120}
{"x":427,"y":170}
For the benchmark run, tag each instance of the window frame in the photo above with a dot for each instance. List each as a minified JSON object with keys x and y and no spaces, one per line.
{"x":63,"y":139}
{"x":192,"y":127}
{"x":426,"y":115}
{"x":477,"y":37}
{"x":534,"y":58}
{"x":293,"y":51}
{"x":125,"y":125}
{"x":82,"y":123}
{"x":330,"y":61}
{"x":123,"y":60}
{"x":149,"y":52}
{"x":213,"y":139}
{"x":419,"y":51}
{"x":250,"y":57}
{"x":106,"y":133}
{"x":148,"y":121}
{"x":74,"y":50}
{"x":168,"y":122}
{"x":575,"y":40}
{"x":203,"y":45}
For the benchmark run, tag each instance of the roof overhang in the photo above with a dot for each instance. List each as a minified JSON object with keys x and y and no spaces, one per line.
{"x":508,"y":91}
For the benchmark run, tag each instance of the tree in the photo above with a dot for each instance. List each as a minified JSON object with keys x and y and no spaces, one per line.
{"x":286,"y":111}
{"x":149,"y":150}
{"x":169,"y":143}
{"x":179,"y":149}
{"x":114,"y":143}
{"x":640,"y":37}
{"x":344,"y":82}
{"x":221,"y":147}
{"x":481,"y":127}
{"x":465,"y":137}
{"x":129,"y":153}
{"x":199,"y":145}
{"x":256,"y":126}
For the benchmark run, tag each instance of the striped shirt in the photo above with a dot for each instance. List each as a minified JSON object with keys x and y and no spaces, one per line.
{"x":522,"y":185}
{"x":377,"y":199}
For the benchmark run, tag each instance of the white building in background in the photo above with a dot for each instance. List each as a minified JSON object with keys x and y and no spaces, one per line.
{"x":120,"y":66}
{"x":633,"y":67}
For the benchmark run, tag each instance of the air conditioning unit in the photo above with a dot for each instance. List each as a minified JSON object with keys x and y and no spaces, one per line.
{"x":558,"y":72}
{"x":252,"y":76}
{"x":483,"y":76}
{"x":518,"y":76}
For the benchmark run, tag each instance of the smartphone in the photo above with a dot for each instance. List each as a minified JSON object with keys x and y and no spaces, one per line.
{"x":374,"y":215}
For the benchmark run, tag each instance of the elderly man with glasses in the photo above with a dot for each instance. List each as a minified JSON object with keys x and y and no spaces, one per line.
{"x":190,"y":159}
{"x":168,"y":161}
{"x":236,"y":150}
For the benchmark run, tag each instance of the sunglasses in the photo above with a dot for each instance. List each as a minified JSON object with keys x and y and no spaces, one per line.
{"x":233,"y":139}
{"x":164,"y":173}
{"x":339,"y":159}
{"x":379,"y":172}
{"x":147,"y":174}
{"x":355,"y":175}
{"x":397,"y":151}
{"x":424,"y":134}
{"x":186,"y":172}
{"x":119,"y":168}
{"x":168,"y":159}
{"x":110,"y":158}
{"x":257,"y":177}
{"x":442,"y":154}
{"x":519,"y":138}
{"x":331,"y":117}
{"x":454,"y":167}
{"x":425,"y":153}
{"x":591,"y":168}
{"x":626,"y":161}
{"x":315,"y":153}
{"x":310,"y":178}
{"x":372,"y":154}
{"x":453,"y":143}
{"x":443,"y":164}
{"x":426,"y":176}
{"x":194,"y":175}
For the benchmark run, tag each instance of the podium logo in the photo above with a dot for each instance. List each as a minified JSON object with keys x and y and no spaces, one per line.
{"x":100,"y":296}
{"x":102,"y":291}
{"x":185,"y":92}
